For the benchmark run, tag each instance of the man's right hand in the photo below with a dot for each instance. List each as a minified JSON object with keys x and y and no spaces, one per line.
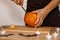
{"x":19,"y":2}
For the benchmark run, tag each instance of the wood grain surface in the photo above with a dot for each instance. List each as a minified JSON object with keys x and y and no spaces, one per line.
{"x":28,"y":31}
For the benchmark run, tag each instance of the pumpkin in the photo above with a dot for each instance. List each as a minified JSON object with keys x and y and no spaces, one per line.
{"x":30,"y":19}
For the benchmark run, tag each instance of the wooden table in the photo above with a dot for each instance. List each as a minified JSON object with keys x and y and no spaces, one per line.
{"x":28,"y":31}
{"x":20,"y":29}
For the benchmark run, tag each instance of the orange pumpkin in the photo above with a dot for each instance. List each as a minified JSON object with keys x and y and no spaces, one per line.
{"x":30,"y":19}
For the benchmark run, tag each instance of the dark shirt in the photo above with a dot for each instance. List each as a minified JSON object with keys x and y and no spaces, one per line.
{"x":52,"y":19}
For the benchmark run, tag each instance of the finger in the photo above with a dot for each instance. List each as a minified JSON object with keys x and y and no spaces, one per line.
{"x":39,"y":23}
{"x":18,"y":1}
{"x":38,"y":17}
{"x":14,"y":1}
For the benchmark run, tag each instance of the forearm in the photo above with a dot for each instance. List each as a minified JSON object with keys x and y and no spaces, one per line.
{"x":51,"y":6}
{"x":45,"y":11}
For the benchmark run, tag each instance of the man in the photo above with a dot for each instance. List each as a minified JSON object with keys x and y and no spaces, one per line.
{"x":47,"y":10}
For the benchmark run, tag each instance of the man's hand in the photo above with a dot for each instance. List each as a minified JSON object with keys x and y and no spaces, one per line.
{"x":19,"y":2}
{"x":41,"y":15}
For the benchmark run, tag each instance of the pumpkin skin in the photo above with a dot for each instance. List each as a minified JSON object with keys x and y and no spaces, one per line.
{"x":30,"y":19}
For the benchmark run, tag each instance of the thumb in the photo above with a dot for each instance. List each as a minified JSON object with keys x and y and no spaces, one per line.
{"x":39,"y":23}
